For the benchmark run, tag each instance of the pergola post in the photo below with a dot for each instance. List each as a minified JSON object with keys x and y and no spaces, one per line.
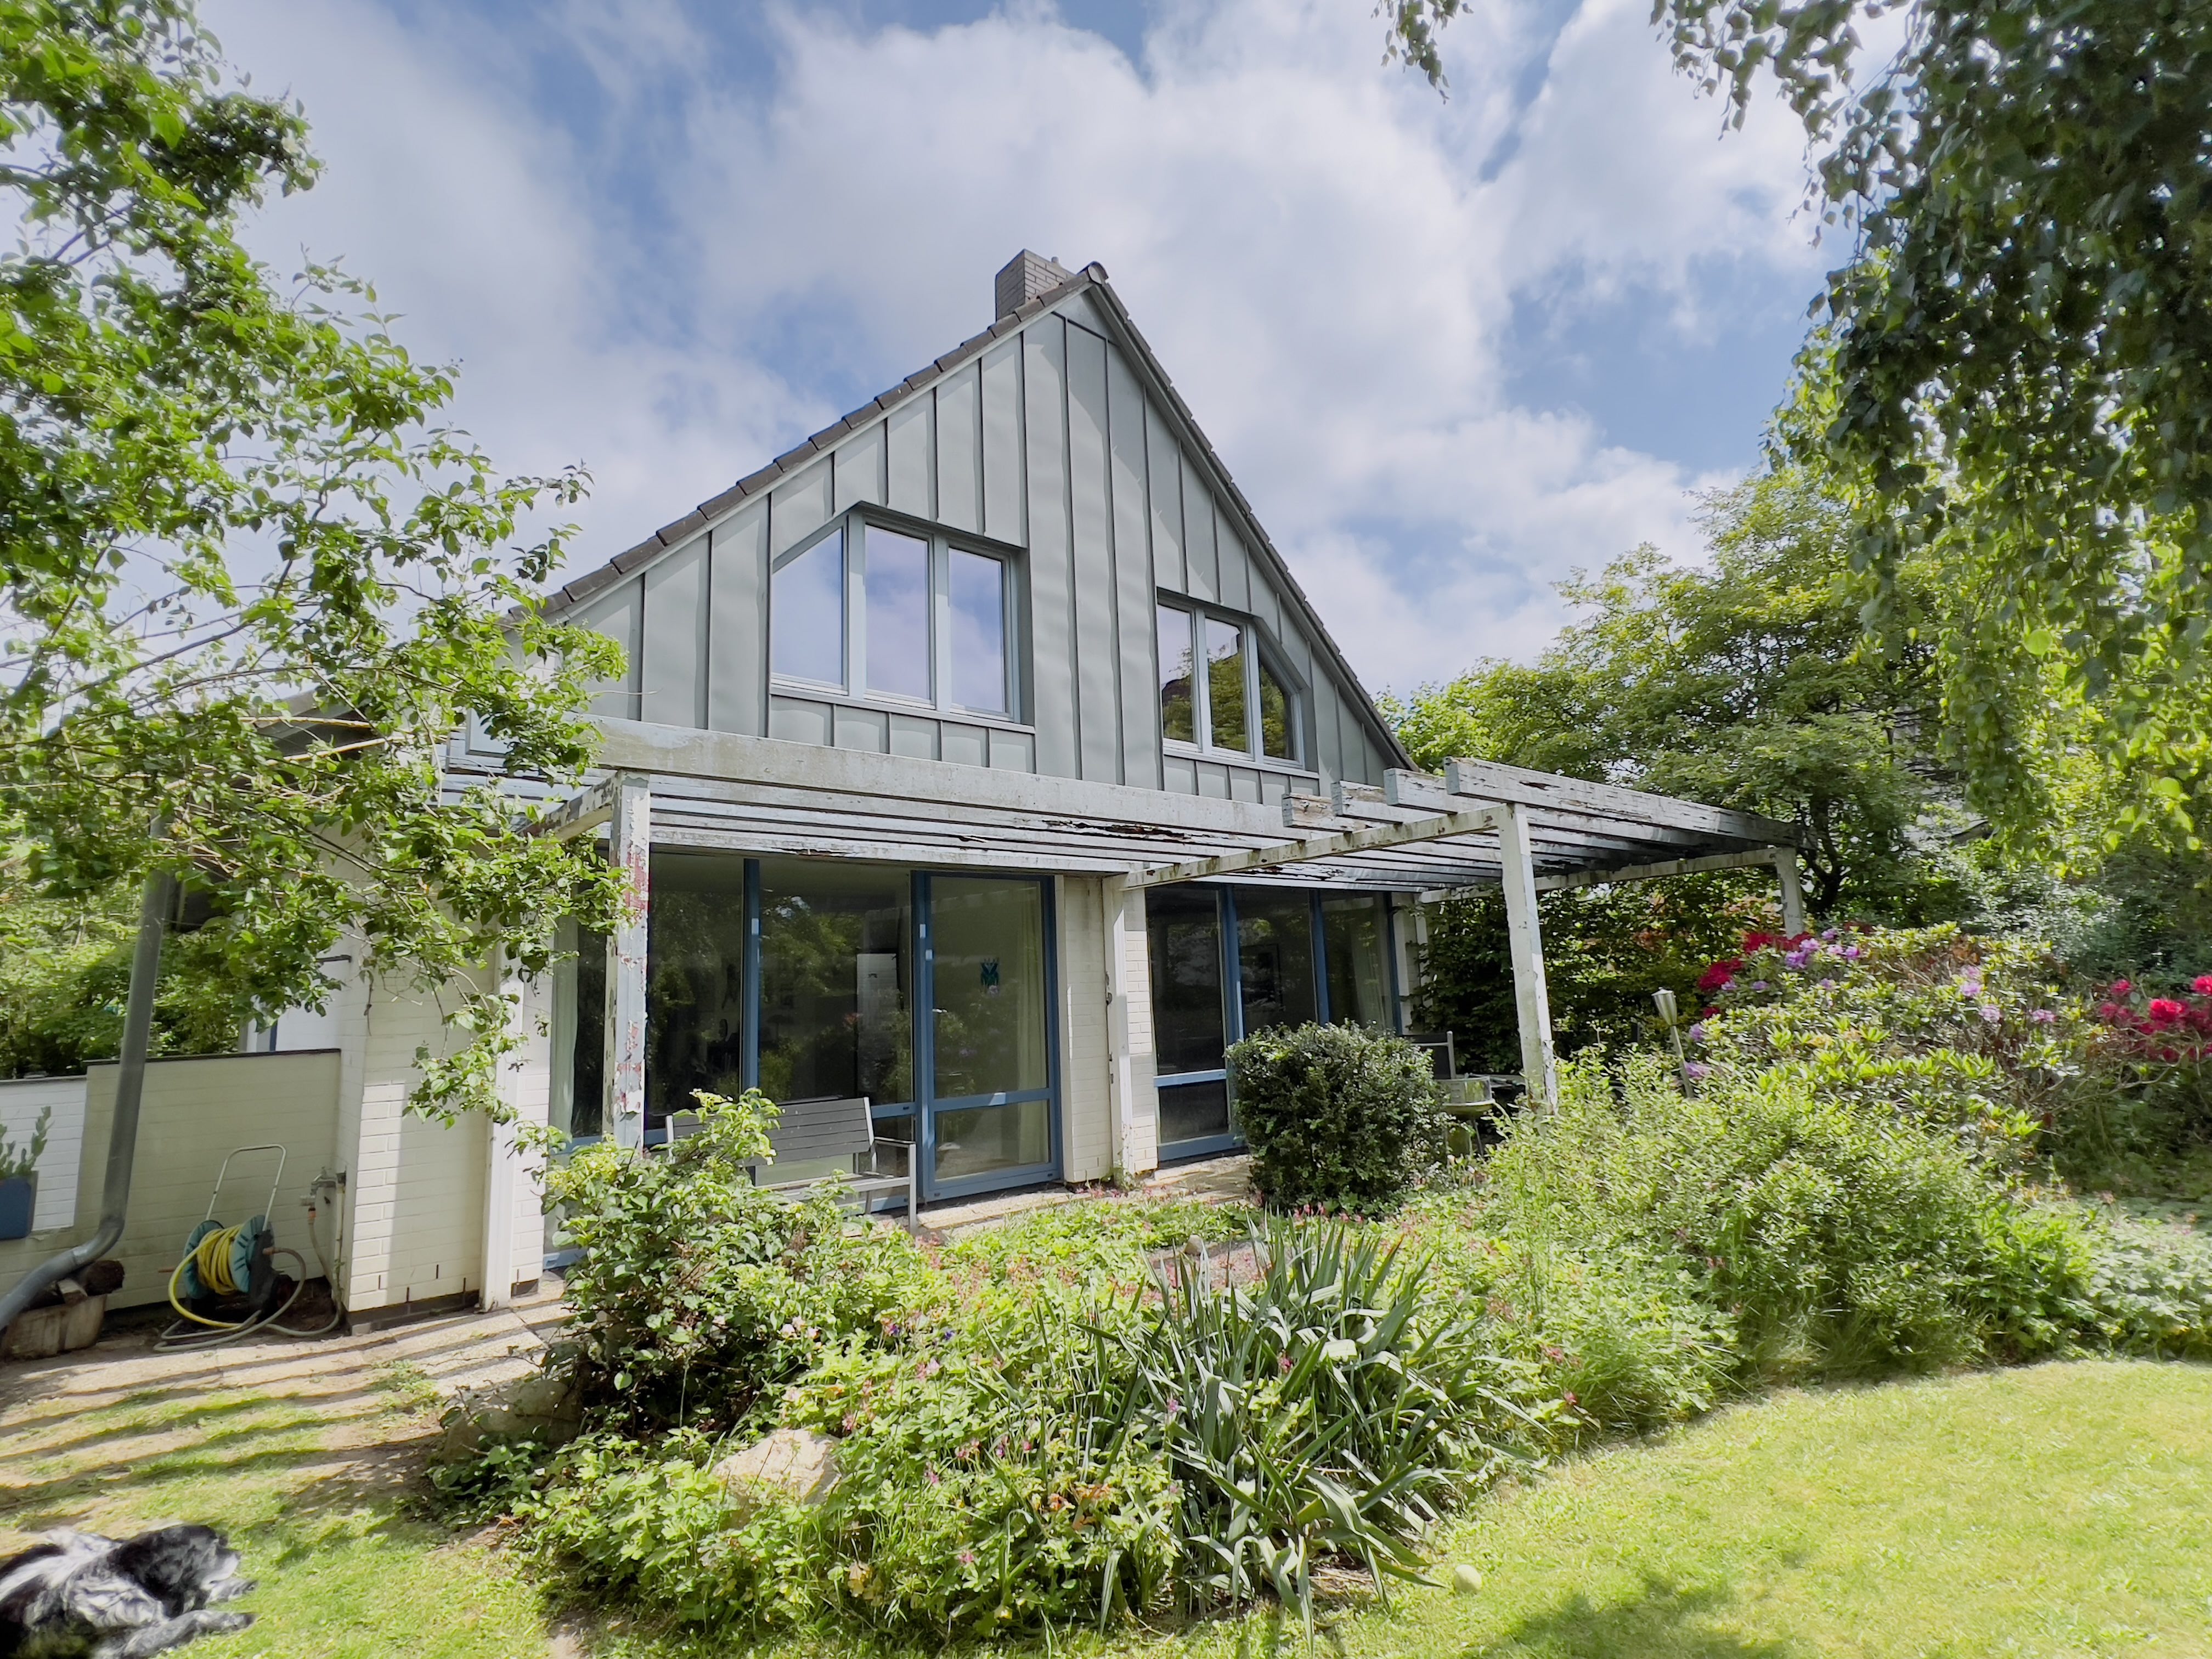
{"x":1128,"y":1024}
{"x":1532,"y":999}
{"x":1793,"y":890}
{"x":631,"y":850}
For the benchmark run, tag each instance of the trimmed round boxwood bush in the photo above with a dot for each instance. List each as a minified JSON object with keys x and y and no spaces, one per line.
{"x":1336,"y":1116}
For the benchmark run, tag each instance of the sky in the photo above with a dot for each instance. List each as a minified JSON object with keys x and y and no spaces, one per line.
{"x":1450,"y":349}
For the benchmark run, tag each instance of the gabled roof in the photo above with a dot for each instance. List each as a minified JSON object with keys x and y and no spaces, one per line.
{"x":1091,"y":279}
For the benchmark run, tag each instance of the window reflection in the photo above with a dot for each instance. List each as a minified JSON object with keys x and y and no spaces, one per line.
{"x":978,"y":585}
{"x":695,"y":981}
{"x":897,"y":584}
{"x":988,"y":939}
{"x":806,"y":614}
{"x":836,"y":962}
{"x":1274,"y":957}
{"x":1184,"y":924}
{"x":1224,"y":685}
{"x":1274,"y":715}
{"x":1354,"y":939}
{"x":1178,"y":716}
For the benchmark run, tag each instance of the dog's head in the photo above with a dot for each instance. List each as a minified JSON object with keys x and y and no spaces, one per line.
{"x":184,"y":1567}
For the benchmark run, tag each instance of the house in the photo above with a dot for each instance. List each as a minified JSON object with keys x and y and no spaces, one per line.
{"x":980,"y":756}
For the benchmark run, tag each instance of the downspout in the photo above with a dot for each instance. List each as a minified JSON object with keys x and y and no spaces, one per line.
{"x":154,"y":913}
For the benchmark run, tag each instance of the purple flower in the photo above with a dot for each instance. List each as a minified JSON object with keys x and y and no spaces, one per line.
{"x":1758,"y":985}
{"x":1697,"y":1032}
{"x":1827,"y":984}
{"x":1698,"y":1073}
{"x":1828,"y":933}
{"x":1992,"y":1013}
{"x":2043,"y":1015}
{"x":1851,"y":953}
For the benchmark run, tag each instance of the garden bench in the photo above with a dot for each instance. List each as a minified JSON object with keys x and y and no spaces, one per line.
{"x":830,"y":1130}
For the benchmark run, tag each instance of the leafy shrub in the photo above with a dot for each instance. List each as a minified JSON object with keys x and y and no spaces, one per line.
{"x":1336,"y":1116}
{"x":1842,"y":1241}
{"x":2150,"y":1287}
{"x":697,"y":1292}
{"x":1971,"y":1036}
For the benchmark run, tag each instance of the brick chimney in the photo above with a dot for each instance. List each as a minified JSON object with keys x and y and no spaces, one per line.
{"x":1024,"y":277}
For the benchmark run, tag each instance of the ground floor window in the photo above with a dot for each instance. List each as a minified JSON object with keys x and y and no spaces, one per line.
{"x":1230,"y":961}
{"x":928,"y":993}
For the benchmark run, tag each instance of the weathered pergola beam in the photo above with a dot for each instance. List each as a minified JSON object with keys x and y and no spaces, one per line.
{"x":1317,"y":848}
{"x":582,"y":812}
{"x":631,"y":850}
{"x":1573,"y":803}
{"x":1765,"y":857}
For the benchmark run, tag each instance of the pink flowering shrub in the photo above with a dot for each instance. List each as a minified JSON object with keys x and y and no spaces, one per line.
{"x":2158,"y":1050}
{"x":1969,"y":1035}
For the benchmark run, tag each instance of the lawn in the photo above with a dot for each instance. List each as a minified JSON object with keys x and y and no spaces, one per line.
{"x":2063,"y":1508}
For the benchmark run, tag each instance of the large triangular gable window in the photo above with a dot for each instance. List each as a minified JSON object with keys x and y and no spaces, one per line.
{"x":1221,"y":690}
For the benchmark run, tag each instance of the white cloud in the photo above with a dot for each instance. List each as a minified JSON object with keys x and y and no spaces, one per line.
{"x":1326,"y":256}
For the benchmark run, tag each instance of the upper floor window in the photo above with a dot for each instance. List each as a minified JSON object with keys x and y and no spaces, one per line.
{"x":1240,"y":703}
{"x":883,"y":613}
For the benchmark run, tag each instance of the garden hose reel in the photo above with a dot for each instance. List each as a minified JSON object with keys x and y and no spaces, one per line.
{"x":226,"y":1284}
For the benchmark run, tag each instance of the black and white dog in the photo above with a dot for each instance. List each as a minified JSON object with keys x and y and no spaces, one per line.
{"x":77,"y":1596}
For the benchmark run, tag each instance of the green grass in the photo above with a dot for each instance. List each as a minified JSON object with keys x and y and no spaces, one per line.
{"x":316,"y":1491}
{"x":2062,"y":1509}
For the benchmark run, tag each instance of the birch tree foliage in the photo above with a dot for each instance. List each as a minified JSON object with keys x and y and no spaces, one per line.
{"x":252,"y":586}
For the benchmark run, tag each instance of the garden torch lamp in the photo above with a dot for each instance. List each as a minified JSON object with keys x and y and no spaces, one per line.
{"x":1663,"y":999}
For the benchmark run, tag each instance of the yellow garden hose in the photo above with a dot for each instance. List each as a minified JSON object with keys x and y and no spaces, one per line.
{"x":210,"y":1260}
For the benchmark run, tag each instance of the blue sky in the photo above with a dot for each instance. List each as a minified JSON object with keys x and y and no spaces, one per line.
{"x":1451,"y":349}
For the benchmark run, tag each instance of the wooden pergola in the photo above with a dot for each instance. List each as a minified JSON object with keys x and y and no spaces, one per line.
{"x":1476,"y":823}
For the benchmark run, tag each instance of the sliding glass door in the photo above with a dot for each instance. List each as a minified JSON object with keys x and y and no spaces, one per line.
{"x":931,"y":994}
{"x":1230,"y":961}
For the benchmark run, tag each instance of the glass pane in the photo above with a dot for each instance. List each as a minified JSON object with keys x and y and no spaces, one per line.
{"x":979,"y":633}
{"x":1184,"y":924}
{"x":1275,"y":958}
{"x":1274,"y":715}
{"x":580,"y":1034}
{"x":986,"y":1139}
{"x":1358,"y":978}
{"x":1177,"y":718}
{"x":989,"y":940}
{"x":806,"y":614}
{"x":695,"y":981}
{"x":1191,"y":1110}
{"x":1224,"y":685}
{"x":898,"y":613}
{"x":836,"y":957}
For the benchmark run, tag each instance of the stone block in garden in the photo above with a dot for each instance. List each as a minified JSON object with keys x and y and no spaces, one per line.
{"x":794,"y":1463}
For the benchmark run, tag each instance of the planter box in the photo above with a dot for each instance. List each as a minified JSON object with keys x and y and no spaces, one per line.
{"x":19,"y":1198}
{"x":45,"y":1332}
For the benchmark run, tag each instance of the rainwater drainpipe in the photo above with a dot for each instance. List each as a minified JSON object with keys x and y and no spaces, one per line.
{"x":154,"y":913}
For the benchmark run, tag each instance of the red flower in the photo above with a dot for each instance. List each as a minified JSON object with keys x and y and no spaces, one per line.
{"x":2201,"y":985}
{"x":2165,"y":1011}
{"x":2121,"y":988}
{"x":2108,"y":1011}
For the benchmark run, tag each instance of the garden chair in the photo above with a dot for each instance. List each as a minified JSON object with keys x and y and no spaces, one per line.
{"x":828,"y":1130}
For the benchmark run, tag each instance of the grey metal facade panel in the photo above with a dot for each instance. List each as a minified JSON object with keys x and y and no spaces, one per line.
{"x":798,"y":507}
{"x":1051,"y":596}
{"x":795,"y":720}
{"x":1006,"y":488}
{"x":1098,"y":665}
{"x":617,"y":615}
{"x":913,"y":736}
{"x":1164,"y":488}
{"x":912,"y":459}
{"x":1244,"y":785}
{"x":1011,"y":752}
{"x":1235,"y":565}
{"x":1179,"y":774}
{"x":672,"y":677}
{"x":1328,"y":757}
{"x":966,"y":745}
{"x":960,"y":450}
{"x":1199,"y":577}
{"x":736,"y":661}
{"x":1132,"y":575}
{"x":1078,"y":309}
{"x":867,"y":729}
{"x":859,"y":468}
{"x":1213,"y":780}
